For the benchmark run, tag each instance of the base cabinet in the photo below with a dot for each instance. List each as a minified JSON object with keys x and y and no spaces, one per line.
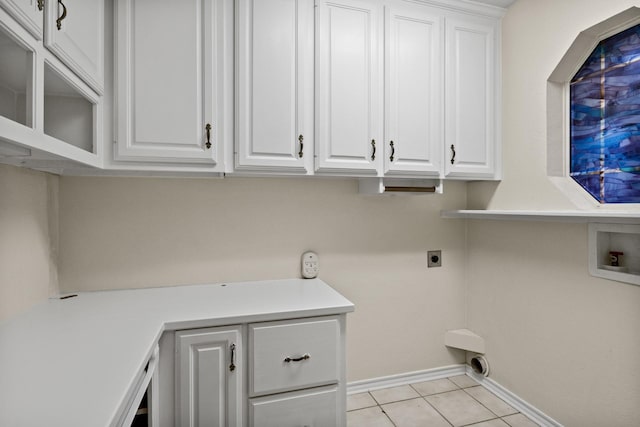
{"x":292,"y":355}
{"x":316,"y":407}
{"x":209,"y":369}
{"x":291,"y":373}
{"x":142,"y":407}
{"x":296,"y":373}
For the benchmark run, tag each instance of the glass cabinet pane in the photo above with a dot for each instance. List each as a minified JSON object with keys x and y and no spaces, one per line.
{"x":68,"y":113}
{"x":16,"y":76}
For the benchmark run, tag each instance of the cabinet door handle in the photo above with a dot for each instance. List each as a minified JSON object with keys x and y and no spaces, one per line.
{"x":61,"y":17}
{"x":373,"y":152}
{"x":207,"y":128}
{"x":300,"y":139}
{"x":306,"y":356}
{"x":453,"y":153}
{"x":40,"y":5}
{"x":393,"y":151}
{"x":232,"y":366}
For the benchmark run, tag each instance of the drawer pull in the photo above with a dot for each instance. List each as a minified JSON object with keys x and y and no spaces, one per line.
{"x":307,"y":356}
{"x":61,"y":17}
{"x":207,"y":128}
{"x":301,"y":140}
{"x":232,"y":366}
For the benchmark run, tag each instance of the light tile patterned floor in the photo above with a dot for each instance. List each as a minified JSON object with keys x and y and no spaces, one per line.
{"x":456,"y":401}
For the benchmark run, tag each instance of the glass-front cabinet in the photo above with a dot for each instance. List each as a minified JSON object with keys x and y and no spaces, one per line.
{"x":48,"y":114}
{"x":16,"y":80}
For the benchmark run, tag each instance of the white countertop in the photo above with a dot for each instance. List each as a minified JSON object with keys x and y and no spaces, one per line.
{"x":72,"y":362}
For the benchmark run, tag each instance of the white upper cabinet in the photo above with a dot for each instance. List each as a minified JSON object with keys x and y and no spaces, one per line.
{"x":173,"y":80}
{"x":74,"y":32}
{"x":29,"y":13}
{"x":17,"y":79}
{"x":349,"y":87}
{"x":413,"y":94}
{"x":47,"y":112}
{"x":366,"y":88}
{"x":274,"y":85}
{"x":471,"y":95}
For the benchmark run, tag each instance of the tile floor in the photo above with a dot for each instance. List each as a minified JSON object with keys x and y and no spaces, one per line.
{"x":456,"y":401}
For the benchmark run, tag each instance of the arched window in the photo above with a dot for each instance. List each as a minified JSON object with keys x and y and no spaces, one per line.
{"x":605,"y":120}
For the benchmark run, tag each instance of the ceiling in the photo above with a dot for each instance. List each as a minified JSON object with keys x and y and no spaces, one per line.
{"x":499,"y":3}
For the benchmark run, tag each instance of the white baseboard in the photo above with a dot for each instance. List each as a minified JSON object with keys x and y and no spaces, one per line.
{"x":514,"y":401}
{"x":404,"y":379}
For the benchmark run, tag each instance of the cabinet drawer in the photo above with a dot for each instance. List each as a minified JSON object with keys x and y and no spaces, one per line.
{"x":317,"y":408}
{"x":293,"y":354}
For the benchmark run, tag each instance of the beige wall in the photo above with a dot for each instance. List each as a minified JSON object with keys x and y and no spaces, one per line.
{"x":564,"y":341}
{"x":28,"y":230}
{"x":561,"y":339}
{"x":123,"y":233}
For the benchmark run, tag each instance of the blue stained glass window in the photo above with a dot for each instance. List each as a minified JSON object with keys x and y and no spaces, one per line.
{"x":605,"y":120}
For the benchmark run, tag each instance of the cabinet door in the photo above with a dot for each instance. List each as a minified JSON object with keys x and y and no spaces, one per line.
{"x":29,"y":13}
{"x":471,"y":142}
{"x":209,"y":365}
{"x":413,"y":103}
{"x":173,"y":80}
{"x":275,"y":85}
{"x":349,"y":92}
{"x":74,"y":32}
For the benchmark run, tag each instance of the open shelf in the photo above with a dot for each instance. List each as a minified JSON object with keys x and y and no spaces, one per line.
{"x":616,"y":217}
{"x":605,"y":238}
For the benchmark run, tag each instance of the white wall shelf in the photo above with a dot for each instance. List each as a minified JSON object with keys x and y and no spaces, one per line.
{"x":614,"y":217}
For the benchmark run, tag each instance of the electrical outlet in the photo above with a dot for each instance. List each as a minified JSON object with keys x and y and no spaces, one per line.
{"x":434,"y":259}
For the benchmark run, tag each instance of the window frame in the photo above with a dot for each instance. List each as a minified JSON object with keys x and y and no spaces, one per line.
{"x":559,"y":109}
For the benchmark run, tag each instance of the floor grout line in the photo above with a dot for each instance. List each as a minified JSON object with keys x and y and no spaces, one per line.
{"x":380,"y":407}
{"x":489,"y":409}
{"x":480,"y":422}
{"x":387,"y":415}
{"x":436,"y":409}
{"x":482,"y":404}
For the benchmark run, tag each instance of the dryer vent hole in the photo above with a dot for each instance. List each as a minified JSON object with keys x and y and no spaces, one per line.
{"x":480,"y":365}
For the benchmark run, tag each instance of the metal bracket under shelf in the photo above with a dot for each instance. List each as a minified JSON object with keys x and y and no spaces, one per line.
{"x":399,"y":186}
